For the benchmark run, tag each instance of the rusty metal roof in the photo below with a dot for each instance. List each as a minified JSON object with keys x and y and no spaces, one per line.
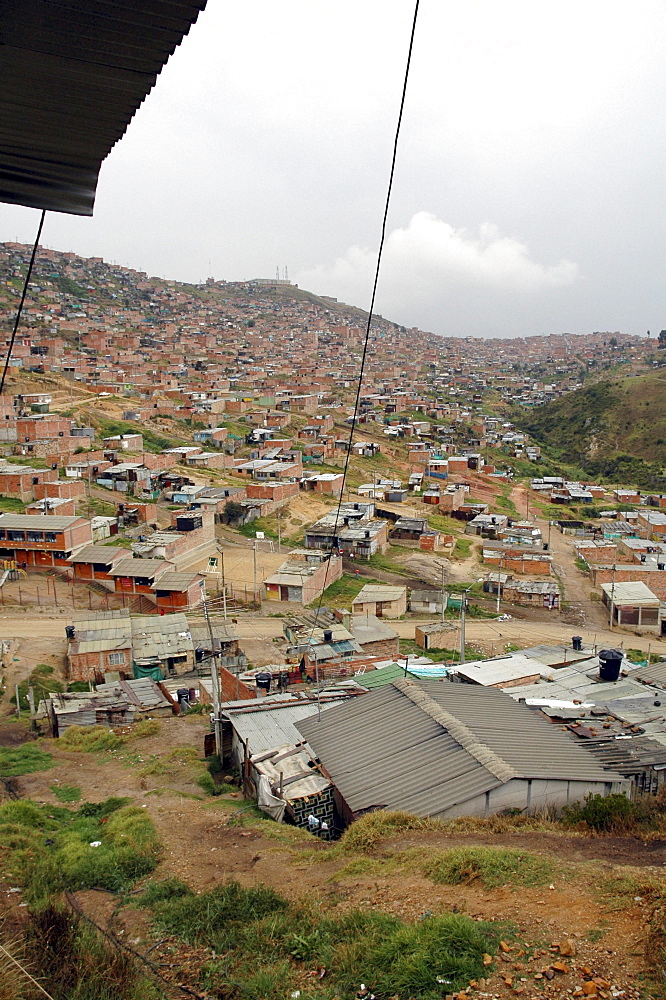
{"x":72,"y":75}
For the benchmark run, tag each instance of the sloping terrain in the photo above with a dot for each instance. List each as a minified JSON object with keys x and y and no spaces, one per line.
{"x":594,"y":426}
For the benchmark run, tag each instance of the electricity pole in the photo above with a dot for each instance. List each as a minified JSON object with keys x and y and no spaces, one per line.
{"x":462,"y":627}
{"x":215,"y":683}
{"x":612,"y":599}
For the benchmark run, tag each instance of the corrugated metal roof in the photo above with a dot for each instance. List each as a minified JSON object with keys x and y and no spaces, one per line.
{"x":50,"y":522}
{"x":375,"y":592}
{"x":72,"y":75}
{"x":270,"y":729}
{"x":384,"y":749}
{"x":654,"y":673}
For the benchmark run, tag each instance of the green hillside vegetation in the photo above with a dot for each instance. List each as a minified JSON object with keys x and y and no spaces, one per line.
{"x":611,"y":429}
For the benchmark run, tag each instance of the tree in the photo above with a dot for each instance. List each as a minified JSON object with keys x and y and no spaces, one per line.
{"x":662,"y":339}
{"x":233,"y":511}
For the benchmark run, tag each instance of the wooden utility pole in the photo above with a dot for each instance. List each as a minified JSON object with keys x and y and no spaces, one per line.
{"x":215,"y":683}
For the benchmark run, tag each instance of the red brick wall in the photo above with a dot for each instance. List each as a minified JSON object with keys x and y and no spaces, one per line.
{"x":271,"y":491}
{"x":60,"y":489}
{"x":232,"y":689}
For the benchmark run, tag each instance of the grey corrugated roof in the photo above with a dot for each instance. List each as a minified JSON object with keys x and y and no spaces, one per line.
{"x":42,"y":522}
{"x":72,"y":75}
{"x":395,"y":747}
{"x":270,"y":729}
{"x":98,"y":554}
{"x":382,"y":750}
{"x":654,"y":673}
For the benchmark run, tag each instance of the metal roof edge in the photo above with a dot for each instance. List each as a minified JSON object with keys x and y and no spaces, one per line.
{"x":467,"y":740}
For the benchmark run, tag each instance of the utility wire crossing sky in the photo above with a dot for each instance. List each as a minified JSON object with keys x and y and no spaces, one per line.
{"x":528,"y":190}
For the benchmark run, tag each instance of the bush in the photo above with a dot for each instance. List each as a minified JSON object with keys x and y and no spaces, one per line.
{"x":604,"y":813}
{"x":367,"y":831}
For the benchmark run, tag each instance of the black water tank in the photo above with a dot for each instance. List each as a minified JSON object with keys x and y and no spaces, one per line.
{"x":577,"y":642}
{"x":263,"y":680}
{"x":328,"y":635}
{"x":610,"y":661}
{"x":183,"y":695}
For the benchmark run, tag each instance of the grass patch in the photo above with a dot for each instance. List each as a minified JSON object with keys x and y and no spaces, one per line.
{"x":12,"y":505}
{"x":48,"y":848}
{"x":491,"y":866}
{"x":146,"y":727}
{"x":66,"y":793}
{"x":366,"y":832}
{"x":90,"y":739}
{"x":24,"y":759}
{"x":270,"y":946}
{"x":209,"y":918}
{"x":42,"y":682}
{"x":462,"y":548}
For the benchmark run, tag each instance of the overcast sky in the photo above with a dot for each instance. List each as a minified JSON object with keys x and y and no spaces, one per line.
{"x":529,"y":190}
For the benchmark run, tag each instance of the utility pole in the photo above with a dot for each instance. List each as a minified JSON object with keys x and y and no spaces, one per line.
{"x":612,"y":597}
{"x":462,"y":628}
{"x":443,"y":604}
{"x":215,"y":683}
{"x":279,"y":513}
{"x":499,"y":585}
{"x":254,"y":572}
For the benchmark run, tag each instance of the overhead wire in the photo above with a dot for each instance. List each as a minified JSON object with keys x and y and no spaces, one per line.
{"x":22,"y":302}
{"x":373,"y":296}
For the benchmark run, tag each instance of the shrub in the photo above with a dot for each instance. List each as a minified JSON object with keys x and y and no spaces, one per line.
{"x":603,"y":813}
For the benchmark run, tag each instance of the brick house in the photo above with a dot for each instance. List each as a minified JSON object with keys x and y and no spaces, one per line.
{"x":95,"y":562}
{"x":303,"y":576}
{"x":42,"y":540}
{"x":20,"y":480}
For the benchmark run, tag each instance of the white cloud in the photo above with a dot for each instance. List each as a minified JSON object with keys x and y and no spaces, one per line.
{"x":430,"y":254}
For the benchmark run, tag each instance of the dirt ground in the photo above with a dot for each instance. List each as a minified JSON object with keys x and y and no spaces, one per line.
{"x":569,"y":922}
{"x":603,"y":941}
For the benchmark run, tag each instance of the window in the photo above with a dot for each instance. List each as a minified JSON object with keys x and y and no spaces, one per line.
{"x":35,"y":536}
{"x":50,"y":536}
{"x":16,"y":536}
{"x":143,"y":581}
{"x":116,"y":659}
{"x":101,"y":567}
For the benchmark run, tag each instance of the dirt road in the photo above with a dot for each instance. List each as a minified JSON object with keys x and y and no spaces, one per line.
{"x":519,"y":632}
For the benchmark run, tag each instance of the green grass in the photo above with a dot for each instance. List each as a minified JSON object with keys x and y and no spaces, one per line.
{"x":491,"y":866}
{"x":42,"y":682}
{"x":462,"y":548}
{"x":11,"y":505}
{"x":269,"y":945}
{"x":48,"y":848}
{"x":25,"y":759}
{"x":90,"y":739}
{"x":341,"y":593}
{"x":66,"y":793}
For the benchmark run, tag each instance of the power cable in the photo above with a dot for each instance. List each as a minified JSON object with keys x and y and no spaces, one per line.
{"x":372,"y":305}
{"x":21,"y":303}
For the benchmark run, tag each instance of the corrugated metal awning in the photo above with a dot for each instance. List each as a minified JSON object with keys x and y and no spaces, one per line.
{"x":72,"y":75}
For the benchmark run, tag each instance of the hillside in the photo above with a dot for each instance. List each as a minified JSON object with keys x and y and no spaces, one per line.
{"x":613,"y":427}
